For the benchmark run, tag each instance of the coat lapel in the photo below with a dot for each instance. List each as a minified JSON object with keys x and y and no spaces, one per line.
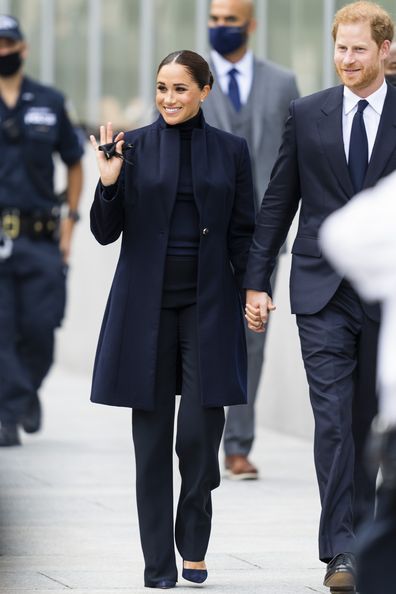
{"x":385,"y":141}
{"x":330,"y":131}
{"x":200,"y":166}
{"x":258,"y":96}
{"x":168,"y":167}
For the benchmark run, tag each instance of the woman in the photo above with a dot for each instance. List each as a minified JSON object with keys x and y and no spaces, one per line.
{"x":183,"y":201}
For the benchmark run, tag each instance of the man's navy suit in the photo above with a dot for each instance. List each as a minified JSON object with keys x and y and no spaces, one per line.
{"x":338,"y":332}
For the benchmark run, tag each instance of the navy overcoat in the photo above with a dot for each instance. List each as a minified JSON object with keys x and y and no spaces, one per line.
{"x":140,"y":208}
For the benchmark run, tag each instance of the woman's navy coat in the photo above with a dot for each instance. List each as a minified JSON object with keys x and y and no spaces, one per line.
{"x":141,"y":209}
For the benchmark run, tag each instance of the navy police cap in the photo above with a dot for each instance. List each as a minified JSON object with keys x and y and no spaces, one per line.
{"x":9,"y":28}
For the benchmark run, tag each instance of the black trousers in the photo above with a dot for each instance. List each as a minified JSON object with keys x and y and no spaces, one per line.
{"x":32,"y":302}
{"x":198,"y":437}
{"x":339,"y":348}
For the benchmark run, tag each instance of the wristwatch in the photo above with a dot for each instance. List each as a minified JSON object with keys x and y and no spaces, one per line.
{"x":73,"y":214}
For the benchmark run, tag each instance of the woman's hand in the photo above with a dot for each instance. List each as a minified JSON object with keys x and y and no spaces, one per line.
{"x":257,"y":310}
{"x":109,"y":168}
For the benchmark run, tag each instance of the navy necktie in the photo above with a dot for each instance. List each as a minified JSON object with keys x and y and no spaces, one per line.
{"x":233,"y":89}
{"x":358,"y":148}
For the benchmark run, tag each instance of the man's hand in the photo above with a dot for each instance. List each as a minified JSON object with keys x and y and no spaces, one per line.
{"x":258,"y":307}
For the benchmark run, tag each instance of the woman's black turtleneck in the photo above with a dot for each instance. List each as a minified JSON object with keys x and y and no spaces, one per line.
{"x":184,"y":228}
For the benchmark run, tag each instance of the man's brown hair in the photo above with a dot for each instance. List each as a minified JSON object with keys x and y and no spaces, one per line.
{"x":380,"y":22}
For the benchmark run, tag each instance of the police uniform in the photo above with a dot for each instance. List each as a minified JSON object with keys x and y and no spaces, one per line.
{"x":32,"y":272}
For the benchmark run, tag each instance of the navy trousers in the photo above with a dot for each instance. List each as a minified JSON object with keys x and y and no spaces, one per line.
{"x":339,"y":348}
{"x":32,"y":302}
{"x":198,"y":436}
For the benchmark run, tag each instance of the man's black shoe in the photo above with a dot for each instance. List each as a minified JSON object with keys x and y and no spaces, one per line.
{"x":341,"y":573}
{"x":9,"y":436}
{"x":31,"y":420}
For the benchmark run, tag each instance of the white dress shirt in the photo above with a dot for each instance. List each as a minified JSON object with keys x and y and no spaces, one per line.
{"x":244,"y":76}
{"x":371,"y":115}
{"x":360,"y":241}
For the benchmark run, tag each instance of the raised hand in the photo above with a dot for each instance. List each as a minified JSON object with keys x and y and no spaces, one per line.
{"x":109,"y":169}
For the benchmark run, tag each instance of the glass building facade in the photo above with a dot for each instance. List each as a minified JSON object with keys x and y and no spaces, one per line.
{"x":103,"y":53}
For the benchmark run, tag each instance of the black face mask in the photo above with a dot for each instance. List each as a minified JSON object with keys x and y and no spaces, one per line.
{"x":10,"y":64}
{"x":391,"y":79}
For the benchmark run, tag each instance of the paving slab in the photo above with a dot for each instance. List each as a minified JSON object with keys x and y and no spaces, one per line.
{"x":68,"y":514}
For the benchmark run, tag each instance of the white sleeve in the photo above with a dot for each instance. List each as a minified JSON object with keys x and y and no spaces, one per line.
{"x":359,"y":240}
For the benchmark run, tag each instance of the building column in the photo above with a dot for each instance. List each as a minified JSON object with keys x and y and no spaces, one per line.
{"x":329,"y":10}
{"x":146,"y":58}
{"x":94,"y":62}
{"x":47,"y":42}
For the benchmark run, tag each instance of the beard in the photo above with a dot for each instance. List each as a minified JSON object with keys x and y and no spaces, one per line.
{"x":360,"y":80}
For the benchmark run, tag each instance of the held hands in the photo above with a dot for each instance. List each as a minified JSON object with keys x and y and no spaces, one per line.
{"x":257,"y":310}
{"x":109,"y":168}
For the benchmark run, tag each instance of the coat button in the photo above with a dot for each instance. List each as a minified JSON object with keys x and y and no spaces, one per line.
{"x":205,"y":231}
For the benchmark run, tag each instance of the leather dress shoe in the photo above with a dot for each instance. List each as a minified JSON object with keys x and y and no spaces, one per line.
{"x":162,"y":584}
{"x":239,"y":468}
{"x":31,"y":420}
{"x":341,"y":573}
{"x":9,"y":435}
{"x":198,"y":576}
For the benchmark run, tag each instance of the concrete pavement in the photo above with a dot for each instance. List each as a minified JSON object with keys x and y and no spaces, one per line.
{"x":68,"y":518}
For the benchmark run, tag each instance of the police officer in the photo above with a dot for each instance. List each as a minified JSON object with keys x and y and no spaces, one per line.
{"x":34,"y":241}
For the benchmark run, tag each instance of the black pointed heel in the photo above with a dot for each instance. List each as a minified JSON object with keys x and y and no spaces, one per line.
{"x":198,"y":576}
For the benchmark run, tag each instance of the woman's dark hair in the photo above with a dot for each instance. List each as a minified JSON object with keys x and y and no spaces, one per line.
{"x":194,"y":63}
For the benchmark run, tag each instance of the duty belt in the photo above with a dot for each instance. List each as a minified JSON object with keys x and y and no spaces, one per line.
{"x":37,"y":225}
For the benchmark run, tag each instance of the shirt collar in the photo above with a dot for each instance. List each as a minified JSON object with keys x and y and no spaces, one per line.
{"x":223,"y":66}
{"x":376,"y":100}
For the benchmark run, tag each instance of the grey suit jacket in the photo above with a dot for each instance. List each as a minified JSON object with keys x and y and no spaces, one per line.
{"x":272,"y":91}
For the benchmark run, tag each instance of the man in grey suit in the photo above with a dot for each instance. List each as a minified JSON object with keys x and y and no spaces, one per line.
{"x":251,"y":99}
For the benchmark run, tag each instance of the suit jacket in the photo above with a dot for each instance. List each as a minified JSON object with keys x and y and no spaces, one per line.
{"x":273,"y":89}
{"x":141,"y":210}
{"x":312,"y":168}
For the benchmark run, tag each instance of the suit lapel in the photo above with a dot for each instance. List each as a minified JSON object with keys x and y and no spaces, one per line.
{"x":218,"y":104}
{"x":385,"y":141}
{"x":330,"y":132}
{"x":258,"y":96}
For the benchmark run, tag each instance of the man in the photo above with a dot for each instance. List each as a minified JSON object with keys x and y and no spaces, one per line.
{"x":360,"y":241}
{"x":252,"y":102}
{"x":335,"y":143}
{"x":33,"y":250}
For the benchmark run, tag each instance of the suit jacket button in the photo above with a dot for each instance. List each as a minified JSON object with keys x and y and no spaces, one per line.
{"x":205,"y":231}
